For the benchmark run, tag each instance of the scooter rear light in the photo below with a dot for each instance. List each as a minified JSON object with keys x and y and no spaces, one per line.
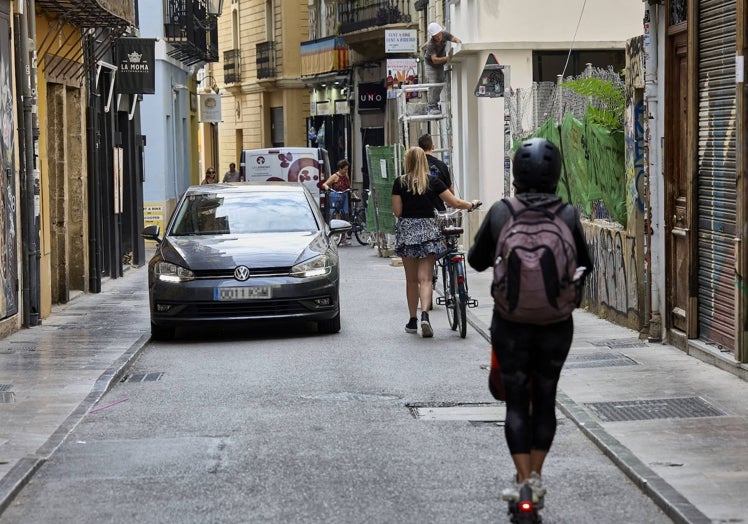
{"x":525,"y":507}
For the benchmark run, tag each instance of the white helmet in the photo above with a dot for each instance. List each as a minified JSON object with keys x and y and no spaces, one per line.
{"x":434,"y":29}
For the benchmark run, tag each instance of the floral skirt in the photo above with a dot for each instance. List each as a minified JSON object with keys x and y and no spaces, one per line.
{"x":418,"y":238}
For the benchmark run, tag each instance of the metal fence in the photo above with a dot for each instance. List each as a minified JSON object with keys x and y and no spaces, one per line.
{"x":531,"y":107}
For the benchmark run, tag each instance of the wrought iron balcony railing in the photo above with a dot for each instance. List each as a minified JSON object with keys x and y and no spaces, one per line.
{"x":191,"y":31}
{"x":232,"y":66}
{"x":356,"y":15}
{"x":265,"y":60}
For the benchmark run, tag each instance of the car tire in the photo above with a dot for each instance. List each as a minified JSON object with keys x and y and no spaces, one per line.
{"x":161,"y":332}
{"x":329,"y":326}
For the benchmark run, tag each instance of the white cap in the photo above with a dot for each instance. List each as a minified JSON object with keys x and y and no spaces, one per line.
{"x":434,"y":29}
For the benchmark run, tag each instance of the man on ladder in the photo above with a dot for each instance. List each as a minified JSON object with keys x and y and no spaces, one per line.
{"x":435,"y":57}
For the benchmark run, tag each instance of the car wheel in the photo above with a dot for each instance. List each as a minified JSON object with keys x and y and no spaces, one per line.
{"x":329,"y":326}
{"x":161,"y":332}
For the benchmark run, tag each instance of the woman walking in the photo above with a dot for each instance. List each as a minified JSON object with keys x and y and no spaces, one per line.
{"x":418,"y":240}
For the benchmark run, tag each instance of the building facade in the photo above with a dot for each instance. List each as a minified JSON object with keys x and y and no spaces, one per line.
{"x":696,"y":102}
{"x":264,"y":102}
{"x":72,"y":200}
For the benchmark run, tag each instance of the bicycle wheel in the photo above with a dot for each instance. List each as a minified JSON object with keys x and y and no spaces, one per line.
{"x":460,"y":300}
{"x":363,"y":236}
{"x":449,"y":295}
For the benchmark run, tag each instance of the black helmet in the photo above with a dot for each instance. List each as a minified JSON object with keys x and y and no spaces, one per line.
{"x":537,"y":166}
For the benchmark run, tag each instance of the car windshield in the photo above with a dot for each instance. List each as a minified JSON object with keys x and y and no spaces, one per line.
{"x":242,"y":213}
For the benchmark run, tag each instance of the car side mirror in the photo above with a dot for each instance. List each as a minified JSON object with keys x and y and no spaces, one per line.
{"x":151,"y":233}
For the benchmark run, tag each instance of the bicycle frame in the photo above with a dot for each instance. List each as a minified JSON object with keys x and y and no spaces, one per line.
{"x":456,"y":296}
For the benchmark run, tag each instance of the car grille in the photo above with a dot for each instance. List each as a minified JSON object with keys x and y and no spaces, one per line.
{"x":253,"y":272}
{"x":257,"y":308}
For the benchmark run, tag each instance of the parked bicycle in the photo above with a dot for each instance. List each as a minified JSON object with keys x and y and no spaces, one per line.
{"x":357,"y":215}
{"x":456,"y":297}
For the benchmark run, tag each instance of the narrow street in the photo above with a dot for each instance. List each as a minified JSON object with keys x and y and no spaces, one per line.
{"x":279,"y":424}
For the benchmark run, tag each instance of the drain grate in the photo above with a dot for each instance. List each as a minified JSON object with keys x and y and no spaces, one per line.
{"x":473,"y":412}
{"x":7,"y":397}
{"x":619,"y":343}
{"x":143,"y":377}
{"x":599,"y":360}
{"x":685,"y":407}
{"x":5,"y":387}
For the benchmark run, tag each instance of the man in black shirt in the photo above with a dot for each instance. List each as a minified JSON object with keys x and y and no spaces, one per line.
{"x":436,"y":167}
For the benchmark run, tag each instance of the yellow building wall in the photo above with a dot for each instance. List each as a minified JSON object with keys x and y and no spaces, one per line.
{"x":245,"y":107}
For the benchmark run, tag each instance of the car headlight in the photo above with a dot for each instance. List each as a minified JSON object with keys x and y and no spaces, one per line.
{"x":168,"y":272}
{"x":316,"y":267}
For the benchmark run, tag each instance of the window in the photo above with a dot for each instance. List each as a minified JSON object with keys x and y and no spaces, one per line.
{"x":547,"y":65}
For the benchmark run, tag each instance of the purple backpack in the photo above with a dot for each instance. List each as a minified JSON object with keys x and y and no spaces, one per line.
{"x":534,"y":266}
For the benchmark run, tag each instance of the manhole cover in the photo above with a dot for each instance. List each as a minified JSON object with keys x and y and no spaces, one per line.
{"x":685,"y":407}
{"x":347,"y":396}
{"x":7,"y":397}
{"x":470,"y":412}
{"x":143,"y":377}
{"x":598,"y":360}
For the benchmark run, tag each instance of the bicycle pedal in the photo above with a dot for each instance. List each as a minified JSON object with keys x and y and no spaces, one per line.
{"x":441,"y":301}
{"x":473,"y":302}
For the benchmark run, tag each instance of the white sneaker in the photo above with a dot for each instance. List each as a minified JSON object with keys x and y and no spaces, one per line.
{"x":434,"y":111}
{"x":538,"y":491}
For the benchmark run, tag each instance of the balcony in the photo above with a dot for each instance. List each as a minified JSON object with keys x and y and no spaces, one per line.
{"x":232,"y":66}
{"x":357,"y":15}
{"x":192,"y":33}
{"x":265,"y":60}
{"x":363,"y":24}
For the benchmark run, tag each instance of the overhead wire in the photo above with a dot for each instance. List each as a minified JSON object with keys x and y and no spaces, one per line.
{"x":574,"y":39}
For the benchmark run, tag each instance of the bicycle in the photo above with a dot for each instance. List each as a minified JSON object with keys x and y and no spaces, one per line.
{"x":358,"y":219}
{"x":456,"y":297}
{"x":357,"y":216}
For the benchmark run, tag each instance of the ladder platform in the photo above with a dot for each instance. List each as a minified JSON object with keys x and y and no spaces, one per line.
{"x":422,"y":118}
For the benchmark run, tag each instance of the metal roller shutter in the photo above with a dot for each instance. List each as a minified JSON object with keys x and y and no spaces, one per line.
{"x":717,"y":192}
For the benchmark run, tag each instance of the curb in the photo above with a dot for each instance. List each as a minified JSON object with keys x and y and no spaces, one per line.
{"x":672,"y":503}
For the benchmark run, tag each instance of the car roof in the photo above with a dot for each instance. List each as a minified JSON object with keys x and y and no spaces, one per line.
{"x":247,"y":187}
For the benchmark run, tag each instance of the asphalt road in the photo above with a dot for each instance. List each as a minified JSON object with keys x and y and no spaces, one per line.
{"x":275,"y":423}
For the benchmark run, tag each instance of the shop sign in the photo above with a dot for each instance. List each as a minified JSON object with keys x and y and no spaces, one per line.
{"x":371,"y":97}
{"x":400,"y":41}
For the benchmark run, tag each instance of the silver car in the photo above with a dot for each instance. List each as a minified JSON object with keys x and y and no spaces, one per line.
{"x":244,"y":252}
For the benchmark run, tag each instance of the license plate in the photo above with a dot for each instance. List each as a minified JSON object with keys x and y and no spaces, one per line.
{"x":242,"y":293}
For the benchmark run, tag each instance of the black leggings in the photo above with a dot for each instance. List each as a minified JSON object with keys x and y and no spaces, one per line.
{"x":530,"y":355}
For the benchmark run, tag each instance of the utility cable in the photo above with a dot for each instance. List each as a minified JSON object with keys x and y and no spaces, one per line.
{"x":573,"y":40}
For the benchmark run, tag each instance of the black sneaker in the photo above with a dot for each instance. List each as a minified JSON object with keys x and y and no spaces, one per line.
{"x":426,"y":331}
{"x":412,"y":325}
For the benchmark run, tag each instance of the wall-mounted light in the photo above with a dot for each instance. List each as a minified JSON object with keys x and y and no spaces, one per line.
{"x":214,"y":7}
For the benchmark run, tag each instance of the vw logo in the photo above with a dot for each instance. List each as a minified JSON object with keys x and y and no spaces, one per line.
{"x":241,"y":273}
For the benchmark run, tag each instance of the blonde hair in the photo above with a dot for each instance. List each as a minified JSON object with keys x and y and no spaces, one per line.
{"x":416,"y":176}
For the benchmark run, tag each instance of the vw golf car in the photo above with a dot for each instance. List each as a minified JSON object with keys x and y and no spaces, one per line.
{"x":244,"y":252}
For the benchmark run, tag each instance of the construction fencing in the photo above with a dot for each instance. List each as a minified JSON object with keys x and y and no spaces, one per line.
{"x":593,"y":178}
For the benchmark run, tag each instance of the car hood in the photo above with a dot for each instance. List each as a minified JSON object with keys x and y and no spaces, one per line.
{"x":256,"y":250}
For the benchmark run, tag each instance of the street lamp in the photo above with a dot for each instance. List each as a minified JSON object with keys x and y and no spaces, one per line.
{"x":214,"y":7}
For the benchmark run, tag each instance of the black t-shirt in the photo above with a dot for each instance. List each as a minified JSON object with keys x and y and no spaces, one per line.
{"x":439,"y":169}
{"x":419,"y":206}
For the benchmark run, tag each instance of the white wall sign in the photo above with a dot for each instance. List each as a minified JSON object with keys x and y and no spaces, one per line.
{"x":400,"y":41}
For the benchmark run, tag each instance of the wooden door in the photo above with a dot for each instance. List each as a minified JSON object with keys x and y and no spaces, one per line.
{"x":678,"y":215}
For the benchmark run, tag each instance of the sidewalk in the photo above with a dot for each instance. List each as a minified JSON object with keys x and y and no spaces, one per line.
{"x":695,"y":467}
{"x":678,"y":427}
{"x":52,"y":375}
